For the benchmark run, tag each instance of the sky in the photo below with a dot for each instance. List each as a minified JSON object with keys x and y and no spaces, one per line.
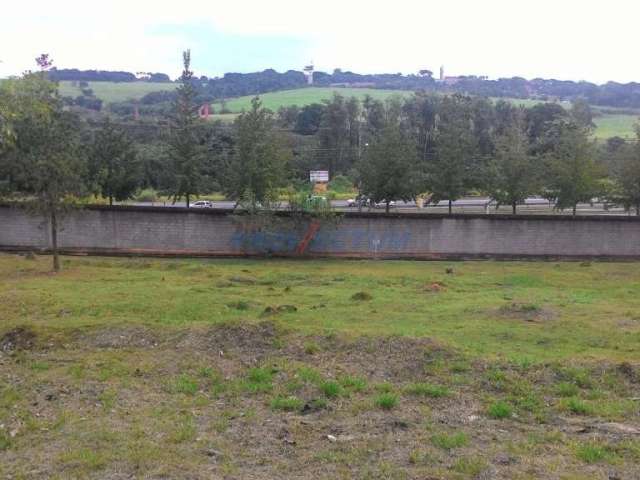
{"x":562,"y":39}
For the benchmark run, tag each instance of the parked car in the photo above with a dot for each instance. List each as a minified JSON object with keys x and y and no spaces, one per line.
{"x":383,"y":204}
{"x":359,"y":202}
{"x":202,"y":204}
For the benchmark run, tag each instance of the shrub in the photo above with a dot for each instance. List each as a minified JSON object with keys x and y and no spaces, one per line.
{"x":287,"y":404}
{"x":386,"y":401}
{"x":499,"y":410}
{"x":147,"y":195}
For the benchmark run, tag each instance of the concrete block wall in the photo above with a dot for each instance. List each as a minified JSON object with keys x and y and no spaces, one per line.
{"x":176,"y":231}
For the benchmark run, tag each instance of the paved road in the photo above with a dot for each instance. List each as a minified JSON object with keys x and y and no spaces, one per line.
{"x":468,"y":204}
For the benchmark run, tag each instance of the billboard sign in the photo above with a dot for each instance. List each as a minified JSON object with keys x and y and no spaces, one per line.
{"x":319,"y":176}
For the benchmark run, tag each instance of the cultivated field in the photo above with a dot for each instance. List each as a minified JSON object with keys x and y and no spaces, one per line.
{"x":110,"y":92}
{"x":139,"y":368}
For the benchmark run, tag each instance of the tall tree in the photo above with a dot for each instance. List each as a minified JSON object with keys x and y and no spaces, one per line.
{"x":572,"y":174}
{"x":512,"y":172}
{"x":113,"y":163}
{"x":452,"y":170}
{"x":387,"y":170}
{"x":185,"y":151}
{"x":626,"y":174}
{"x":43,"y":169}
{"x":260,"y":159}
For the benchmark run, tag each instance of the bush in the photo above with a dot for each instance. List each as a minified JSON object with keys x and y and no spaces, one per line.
{"x":499,"y":410}
{"x":357,"y":384}
{"x":566,"y":389}
{"x":147,"y":195}
{"x":386,"y":401}
{"x":361,"y":297}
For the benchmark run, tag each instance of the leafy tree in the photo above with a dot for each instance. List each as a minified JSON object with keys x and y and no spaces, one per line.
{"x":113,"y":163}
{"x":581,"y":113}
{"x":452,"y":171}
{"x":308,"y":119}
{"x":185,"y":151}
{"x":512,"y":172}
{"x":259,"y":162}
{"x":388,"y":166}
{"x":572,"y":175}
{"x":43,"y":168}
{"x":626,"y":173}
{"x":339,"y":134}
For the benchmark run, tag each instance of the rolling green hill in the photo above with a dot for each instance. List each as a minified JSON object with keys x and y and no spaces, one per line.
{"x":607,"y":125}
{"x":110,"y":92}
{"x":306,"y":96}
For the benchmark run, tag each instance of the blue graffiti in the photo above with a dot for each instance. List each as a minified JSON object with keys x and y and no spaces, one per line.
{"x":328,"y":239}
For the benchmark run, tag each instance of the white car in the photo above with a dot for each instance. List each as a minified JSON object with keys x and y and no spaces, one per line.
{"x":202,"y":204}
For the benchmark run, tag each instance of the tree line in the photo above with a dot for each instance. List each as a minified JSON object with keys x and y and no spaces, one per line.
{"x":437,"y":146}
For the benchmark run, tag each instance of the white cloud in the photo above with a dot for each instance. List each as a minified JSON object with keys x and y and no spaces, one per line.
{"x":494,"y":37}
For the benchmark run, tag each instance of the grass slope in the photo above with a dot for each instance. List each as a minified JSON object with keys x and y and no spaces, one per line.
{"x":306,"y":96}
{"x":110,"y":92}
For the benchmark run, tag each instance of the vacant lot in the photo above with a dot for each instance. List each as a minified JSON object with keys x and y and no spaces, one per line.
{"x":136,"y":368}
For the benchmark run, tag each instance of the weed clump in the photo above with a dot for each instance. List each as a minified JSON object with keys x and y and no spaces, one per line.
{"x":286,"y":404}
{"x":427,"y":390}
{"x":449,"y":442}
{"x":386,"y":401}
{"x":361,"y":297}
{"x":330,"y":389}
{"x":499,"y":410}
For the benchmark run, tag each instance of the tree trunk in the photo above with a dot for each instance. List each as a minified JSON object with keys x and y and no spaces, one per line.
{"x":637,"y":208}
{"x":574,"y":209}
{"x":450,"y":205}
{"x":54,"y":241}
{"x":513,"y":207}
{"x":110,"y":200}
{"x":387,"y":206}
{"x":187,"y":197}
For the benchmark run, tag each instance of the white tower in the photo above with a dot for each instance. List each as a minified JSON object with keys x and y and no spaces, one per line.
{"x":308,"y":72}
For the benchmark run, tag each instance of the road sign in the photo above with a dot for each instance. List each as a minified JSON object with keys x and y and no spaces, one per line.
{"x":319,"y":176}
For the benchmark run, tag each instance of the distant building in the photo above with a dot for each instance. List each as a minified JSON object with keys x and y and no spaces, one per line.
{"x":308,"y":72}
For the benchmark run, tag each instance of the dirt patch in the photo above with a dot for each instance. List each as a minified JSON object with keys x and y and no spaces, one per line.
{"x":528,"y":312}
{"x":20,"y":338}
{"x":119,"y":337}
{"x":434,"y":287}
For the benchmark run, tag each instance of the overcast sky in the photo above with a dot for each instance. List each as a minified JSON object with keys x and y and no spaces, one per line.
{"x":562,"y":39}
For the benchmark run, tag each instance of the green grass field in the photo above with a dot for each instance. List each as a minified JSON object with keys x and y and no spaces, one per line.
{"x":615,"y":125}
{"x":306,"y":96}
{"x":184,"y":369}
{"x":111,"y":92}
